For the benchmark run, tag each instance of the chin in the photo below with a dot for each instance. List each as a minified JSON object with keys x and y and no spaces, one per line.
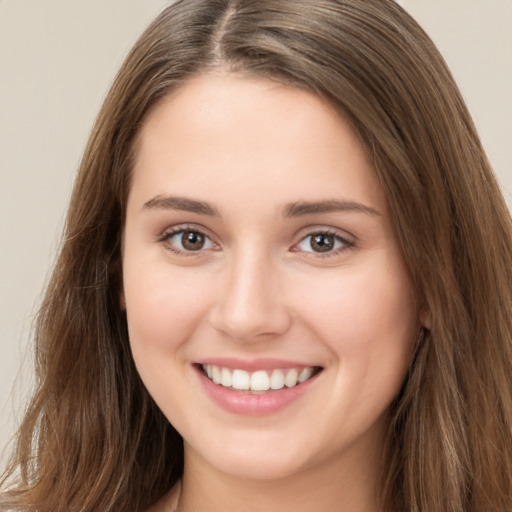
{"x":254,"y":466}
{"x":250,"y":455}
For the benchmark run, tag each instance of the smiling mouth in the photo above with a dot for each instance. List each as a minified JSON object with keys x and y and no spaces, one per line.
{"x":260,"y":381}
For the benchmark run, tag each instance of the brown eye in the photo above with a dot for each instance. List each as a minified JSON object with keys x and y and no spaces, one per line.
{"x":187,"y":240}
{"x":322,"y":242}
{"x":192,"y":240}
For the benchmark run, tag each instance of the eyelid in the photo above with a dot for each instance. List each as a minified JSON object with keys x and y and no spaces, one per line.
{"x":169,"y":232}
{"x":347,"y":239}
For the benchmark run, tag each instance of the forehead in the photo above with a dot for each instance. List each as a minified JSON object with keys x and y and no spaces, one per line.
{"x":254,"y":135}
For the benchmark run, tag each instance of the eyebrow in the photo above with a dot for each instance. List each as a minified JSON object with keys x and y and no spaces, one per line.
{"x":301,"y":208}
{"x":296,"y":209}
{"x":181,"y":203}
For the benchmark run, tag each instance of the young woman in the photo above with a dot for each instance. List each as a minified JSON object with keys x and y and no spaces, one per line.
{"x":286,"y":279}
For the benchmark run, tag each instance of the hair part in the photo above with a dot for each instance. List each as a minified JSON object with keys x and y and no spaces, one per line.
{"x":93,"y":439}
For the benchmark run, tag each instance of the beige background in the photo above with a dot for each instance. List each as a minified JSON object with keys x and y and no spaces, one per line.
{"x":57,"y":59}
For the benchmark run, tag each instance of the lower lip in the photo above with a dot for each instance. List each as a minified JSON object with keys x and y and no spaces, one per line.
{"x":249,"y":404}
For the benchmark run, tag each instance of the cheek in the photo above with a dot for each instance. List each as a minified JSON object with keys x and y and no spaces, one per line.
{"x":366,"y":317}
{"x":163,"y":307}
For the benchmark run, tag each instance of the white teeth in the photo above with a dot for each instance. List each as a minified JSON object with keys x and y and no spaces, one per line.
{"x":241,"y":379}
{"x":291,"y":378}
{"x":225,"y":378}
{"x":257,"y":381}
{"x":304,"y":375}
{"x":277,"y":380}
{"x":216,"y":376}
{"x":260,"y":381}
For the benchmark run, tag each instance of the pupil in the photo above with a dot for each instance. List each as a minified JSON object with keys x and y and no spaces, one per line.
{"x":322,"y":242}
{"x":192,"y":240}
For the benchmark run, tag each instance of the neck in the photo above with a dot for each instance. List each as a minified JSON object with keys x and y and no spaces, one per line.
{"x":340,"y":484}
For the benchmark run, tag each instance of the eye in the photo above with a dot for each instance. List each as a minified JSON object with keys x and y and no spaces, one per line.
{"x":186,"y":240}
{"x":323,"y":243}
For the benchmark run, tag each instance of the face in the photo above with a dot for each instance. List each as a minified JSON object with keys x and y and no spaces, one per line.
{"x":269,"y":309}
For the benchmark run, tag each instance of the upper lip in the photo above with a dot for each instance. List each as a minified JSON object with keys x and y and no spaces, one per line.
{"x":254,"y":364}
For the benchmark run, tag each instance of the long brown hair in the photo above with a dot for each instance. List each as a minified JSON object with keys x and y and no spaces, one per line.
{"x":93,"y":439}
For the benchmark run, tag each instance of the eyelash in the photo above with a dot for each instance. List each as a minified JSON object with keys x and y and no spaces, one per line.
{"x":168,"y":235}
{"x":346,"y":244}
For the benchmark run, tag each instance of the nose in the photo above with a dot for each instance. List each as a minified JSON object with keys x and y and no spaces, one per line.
{"x":250,"y":305}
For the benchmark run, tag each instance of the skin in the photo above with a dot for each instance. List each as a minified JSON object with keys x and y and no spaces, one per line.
{"x":250,"y":148}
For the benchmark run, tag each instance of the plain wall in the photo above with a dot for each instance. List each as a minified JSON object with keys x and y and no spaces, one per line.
{"x":57,"y":59}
